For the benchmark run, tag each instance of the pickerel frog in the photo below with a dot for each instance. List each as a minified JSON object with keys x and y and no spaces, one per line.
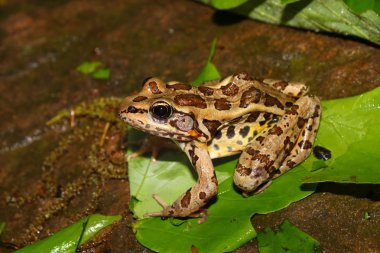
{"x":271,"y":123}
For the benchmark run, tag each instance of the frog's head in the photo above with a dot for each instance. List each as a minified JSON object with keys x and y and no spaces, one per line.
{"x":153,"y":110}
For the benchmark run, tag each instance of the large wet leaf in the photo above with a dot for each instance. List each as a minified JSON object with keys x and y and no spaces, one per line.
{"x":318,"y":15}
{"x":68,"y":239}
{"x":349,"y":129}
{"x":288,"y":239}
{"x":228,"y":224}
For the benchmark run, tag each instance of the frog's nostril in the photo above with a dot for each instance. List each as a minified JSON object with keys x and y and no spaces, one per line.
{"x":132,"y":109}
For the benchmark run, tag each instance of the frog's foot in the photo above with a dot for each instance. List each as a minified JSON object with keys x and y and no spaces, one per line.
{"x":151,"y":145}
{"x":281,"y":147}
{"x":168,"y":212}
{"x":162,"y":203}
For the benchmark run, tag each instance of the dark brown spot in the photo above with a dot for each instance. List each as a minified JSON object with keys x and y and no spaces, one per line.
{"x":216,"y":147}
{"x":153,"y":87}
{"x":290,"y":163}
{"x":286,"y":141}
{"x":276,"y":130}
{"x":252,"y":95}
{"x":262,"y":158}
{"x":194,"y":157}
{"x":132,"y":109}
{"x":305,"y":144}
{"x":179,"y":86}
{"x":252,"y":151}
{"x":239,"y":142}
{"x":230,"y":89}
{"x":281,"y":85}
{"x":190,"y":100}
{"x":293,"y":110}
{"x":253,"y":117}
{"x":243,"y":170}
{"x":260,"y":139}
{"x":301,"y":122}
{"x":218,"y":135}
{"x":288,"y":104}
{"x":271,"y":101}
{"x":222,"y":104}
{"x":273,"y":171}
{"x":206,"y":90}
{"x":316,"y":112}
{"x":261,"y":123}
{"x":139,"y":99}
{"x":211,"y":125}
{"x":230,"y":132}
{"x":202,"y":195}
{"x":244,"y":131}
{"x":185,"y":201}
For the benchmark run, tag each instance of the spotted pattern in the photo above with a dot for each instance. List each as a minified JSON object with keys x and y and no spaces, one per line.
{"x":179,"y":86}
{"x":211,"y":125}
{"x":230,"y":89}
{"x":222,"y":104}
{"x":185,"y":201}
{"x":190,"y":100}
{"x":139,"y":98}
{"x":252,"y":95}
{"x":271,"y":101}
{"x":206,"y":90}
{"x":276,"y":130}
{"x":244,"y":131}
{"x":153,"y":87}
{"x":230,"y":132}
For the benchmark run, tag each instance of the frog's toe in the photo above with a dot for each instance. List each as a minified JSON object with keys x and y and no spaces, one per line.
{"x":164,"y":213}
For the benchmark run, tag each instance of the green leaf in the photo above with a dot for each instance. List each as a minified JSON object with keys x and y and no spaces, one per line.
{"x":101,"y":74}
{"x":228,"y":225}
{"x":360,"y":6}
{"x":366,"y":216}
{"x":95,"y":69}
{"x":209,"y":71}
{"x":288,"y":239}
{"x":69,"y":238}
{"x":226,"y":4}
{"x":317,"y":15}
{"x":89,"y":67}
{"x":349,"y":129}
{"x":284,"y":2}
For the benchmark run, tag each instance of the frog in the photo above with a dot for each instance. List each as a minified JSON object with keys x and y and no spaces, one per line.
{"x":271,"y":123}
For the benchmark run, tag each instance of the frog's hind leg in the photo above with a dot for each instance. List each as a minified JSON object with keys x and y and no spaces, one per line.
{"x":203,"y":190}
{"x":302,"y":148}
{"x":280,"y":147}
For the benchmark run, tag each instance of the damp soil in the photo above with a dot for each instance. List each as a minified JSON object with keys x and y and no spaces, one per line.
{"x":46,"y":182}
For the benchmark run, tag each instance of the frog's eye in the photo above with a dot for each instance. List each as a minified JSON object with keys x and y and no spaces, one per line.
{"x":161,"y":110}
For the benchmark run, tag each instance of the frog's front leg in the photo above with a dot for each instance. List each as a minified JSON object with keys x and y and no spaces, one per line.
{"x":280,"y":147}
{"x":198,"y":195}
